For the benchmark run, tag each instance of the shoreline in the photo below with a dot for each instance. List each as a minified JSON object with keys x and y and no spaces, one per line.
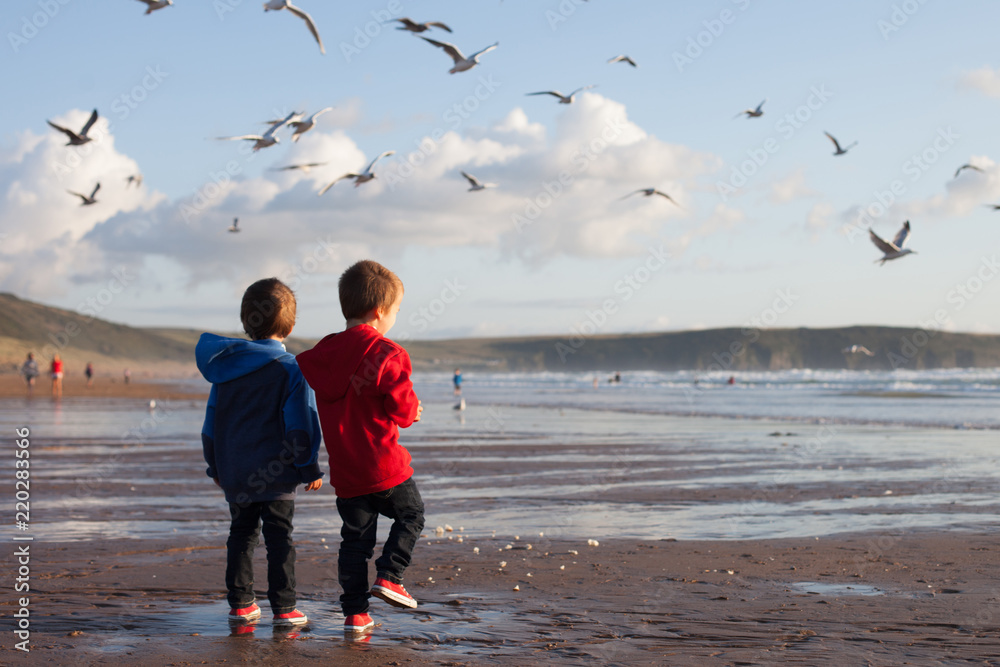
{"x":13,"y":387}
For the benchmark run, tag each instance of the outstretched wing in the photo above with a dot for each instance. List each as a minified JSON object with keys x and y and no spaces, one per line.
{"x":309,"y":22}
{"x":385,"y":154}
{"x":582,"y":89}
{"x":334,"y":182}
{"x":830,"y":137}
{"x":472,"y":179}
{"x":553,"y":93}
{"x":450,"y":49}
{"x":438,"y":24}
{"x":69,"y":133}
{"x":486,"y":50}
{"x":881,"y":243}
{"x":90,"y":123}
{"x":901,"y":235}
{"x":96,"y":188}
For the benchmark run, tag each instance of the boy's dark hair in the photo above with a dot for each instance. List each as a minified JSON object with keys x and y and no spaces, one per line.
{"x":268,"y":309}
{"x":365,"y":286}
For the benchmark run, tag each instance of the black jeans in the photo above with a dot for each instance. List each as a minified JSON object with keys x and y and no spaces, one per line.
{"x":402,"y":504}
{"x":276,"y":517}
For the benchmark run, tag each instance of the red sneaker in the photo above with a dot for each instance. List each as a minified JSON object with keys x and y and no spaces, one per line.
{"x":358,"y":623}
{"x":244,"y":614}
{"x":394,"y":594}
{"x":294,"y":617}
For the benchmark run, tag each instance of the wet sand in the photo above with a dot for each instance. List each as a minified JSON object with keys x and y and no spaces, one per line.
{"x":128,"y":555}
{"x":13,"y":386}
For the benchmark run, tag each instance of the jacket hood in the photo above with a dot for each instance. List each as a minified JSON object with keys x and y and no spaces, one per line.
{"x":329,"y":367}
{"x":222,"y":359}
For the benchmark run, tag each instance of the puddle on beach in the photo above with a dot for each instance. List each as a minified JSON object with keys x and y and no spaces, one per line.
{"x":835,"y":590}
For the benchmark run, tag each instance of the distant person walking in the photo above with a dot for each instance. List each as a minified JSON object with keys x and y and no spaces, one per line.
{"x":457,"y":380}
{"x":89,"y":372}
{"x":56,"y":369}
{"x":29,"y":369}
{"x":128,"y":376}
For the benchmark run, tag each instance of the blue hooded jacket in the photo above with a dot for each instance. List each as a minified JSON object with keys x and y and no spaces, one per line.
{"x":261,"y":434}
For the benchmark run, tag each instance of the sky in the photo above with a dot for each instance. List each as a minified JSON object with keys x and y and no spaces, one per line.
{"x":767,"y":228}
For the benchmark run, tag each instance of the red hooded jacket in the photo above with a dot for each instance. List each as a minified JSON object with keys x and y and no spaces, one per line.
{"x":363,"y":395}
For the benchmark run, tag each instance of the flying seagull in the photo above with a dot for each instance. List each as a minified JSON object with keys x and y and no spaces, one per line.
{"x":301,"y":167}
{"x":476,"y":184}
{"x":413,"y":26}
{"x":622,"y":59}
{"x":858,"y":349}
{"x":153,"y":5}
{"x":462,"y":63}
{"x":74,"y":138}
{"x":303,"y":126}
{"x":836,"y":144}
{"x":968,"y":166}
{"x":753,"y":113}
{"x":266,"y":139}
{"x":649,"y":192}
{"x":363,"y":177}
{"x":134,"y":178}
{"x":235,"y":228}
{"x":275,"y":5}
{"x":895,"y":249}
{"x":87,"y":201}
{"x":563,"y":99}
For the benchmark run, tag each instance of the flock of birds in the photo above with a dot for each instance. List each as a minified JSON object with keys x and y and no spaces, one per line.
{"x":300,"y":124}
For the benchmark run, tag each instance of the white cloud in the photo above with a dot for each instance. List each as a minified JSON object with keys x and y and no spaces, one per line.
{"x":790,"y":188}
{"x":985,"y":79}
{"x":964,"y":194}
{"x":818,"y":218}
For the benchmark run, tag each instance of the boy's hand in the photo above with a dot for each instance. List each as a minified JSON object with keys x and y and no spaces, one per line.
{"x":420,"y":409}
{"x":314,"y":485}
{"x":216,"y":480}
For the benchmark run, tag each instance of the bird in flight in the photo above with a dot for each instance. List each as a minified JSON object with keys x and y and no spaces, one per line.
{"x":858,"y":349}
{"x":649,"y":192}
{"x":968,"y":166}
{"x":304,"y":168}
{"x":363,"y":177}
{"x":476,"y":184}
{"x":74,"y":138}
{"x":266,"y":139}
{"x":275,"y":5}
{"x":303,"y":126}
{"x":134,"y":178}
{"x":87,"y":201}
{"x":836,"y":144}
{"x":895,"y":249}
{"x":753,"y":113}
{"x":563,"y":99}
{"x":622,"y":59}
{"x":413,"y":26}
{"x":153,"y":5}
{"x":462,"y":64}
{"x":235,"y":227}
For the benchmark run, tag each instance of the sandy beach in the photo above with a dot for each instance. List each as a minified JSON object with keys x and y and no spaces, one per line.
{"x":128,"y":544}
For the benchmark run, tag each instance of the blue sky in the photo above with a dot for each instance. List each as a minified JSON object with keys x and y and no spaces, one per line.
{"x":903,"y":79}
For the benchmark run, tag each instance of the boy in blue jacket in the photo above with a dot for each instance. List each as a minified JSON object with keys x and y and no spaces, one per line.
{"x":261,"y":439}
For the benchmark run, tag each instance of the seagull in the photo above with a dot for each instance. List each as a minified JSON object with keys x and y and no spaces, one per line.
{"x":858,"y":349}
{"x":134,"y":178}
{"x":235,"y":227}
{"x":363,"y":177}
{"x":413,"y":26}
{"x":476,"y":184}
{"x":302,"y":167}
{"x":87,"y":201}
{"x":303,"y":126}
{"x":649,"y":192}
{"x":968,"y":166}
{"x":563,"y":99}
{"x":895,"y":249}
{"x":266,"y":139}
{"x":462,"y":63}
{"x":995,"y":207}
{"x":153,"y":5}
{"x":622,"y":59}
{"x":74,"y":138}
{"x":753,"y":113}
{"x":275,"y":5}
{"x":839,"y":151}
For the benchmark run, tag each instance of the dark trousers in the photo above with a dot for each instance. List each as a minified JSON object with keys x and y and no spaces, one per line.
{"x":276,"y":518}
{"x":402,"y":504}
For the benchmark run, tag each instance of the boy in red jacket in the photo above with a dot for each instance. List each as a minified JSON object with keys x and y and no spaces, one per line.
{"x":364,"y":395}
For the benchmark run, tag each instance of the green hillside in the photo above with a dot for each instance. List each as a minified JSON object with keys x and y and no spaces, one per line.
{"x":27,"y":326}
